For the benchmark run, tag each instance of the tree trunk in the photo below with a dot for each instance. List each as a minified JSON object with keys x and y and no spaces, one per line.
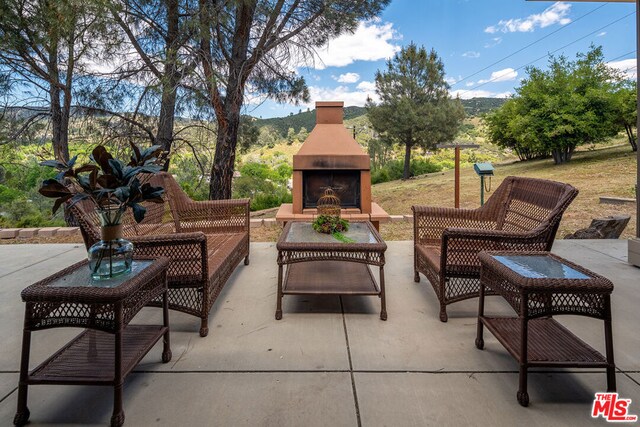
{"x":407,"y":161}
{"x":562,"y":155}
{"x":225,"y":156}
{"x":164,"y":136}
{"x":59,"y":117}
{"x":631,"y":137}
{"x":59,"y":126}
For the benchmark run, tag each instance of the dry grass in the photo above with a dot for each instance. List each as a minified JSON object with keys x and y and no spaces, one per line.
{"x":605,"y":172}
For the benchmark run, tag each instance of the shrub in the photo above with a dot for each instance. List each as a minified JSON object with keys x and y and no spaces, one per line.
{"x":263,"y":194}
{"x":8,"y":195}
{"x":394,"y":170}
{"x":379,"y":176}
{"x":24,"y":213}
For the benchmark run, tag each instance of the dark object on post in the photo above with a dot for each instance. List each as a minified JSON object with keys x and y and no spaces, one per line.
{"x":523,"y":214}
{"x":484,"y":170}
{"x":610,"y":227}
{"x":204,"y":240}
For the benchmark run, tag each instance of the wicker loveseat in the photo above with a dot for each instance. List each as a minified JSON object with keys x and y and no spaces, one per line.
{"x":204,"y":240}
{"x":522,"y":214}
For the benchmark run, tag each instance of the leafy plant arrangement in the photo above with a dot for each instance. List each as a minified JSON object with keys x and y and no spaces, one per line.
{"x":110,"y":183}
{"x":334,"y":225}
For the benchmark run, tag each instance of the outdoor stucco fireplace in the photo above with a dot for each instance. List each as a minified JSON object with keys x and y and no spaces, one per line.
{"x":330,"y":157}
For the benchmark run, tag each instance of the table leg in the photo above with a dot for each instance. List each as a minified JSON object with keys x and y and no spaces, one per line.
{"x":480,"y":330}
{"x":166,"y":341}
{"x":279,"y":296}
{"x":608,"y":339}
{"x":22,"y":413}
{"x":383,"y":297}
{"x":523,"y":396}
{"x":117,"y":418}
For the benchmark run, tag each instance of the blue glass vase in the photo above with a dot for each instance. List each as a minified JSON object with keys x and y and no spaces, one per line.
{"x":112,"y":256}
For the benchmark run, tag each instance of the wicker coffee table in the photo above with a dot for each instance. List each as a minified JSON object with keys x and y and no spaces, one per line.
{"x":108,"y":350}
{"x":319,"y":264}
{"x":539,"y":285}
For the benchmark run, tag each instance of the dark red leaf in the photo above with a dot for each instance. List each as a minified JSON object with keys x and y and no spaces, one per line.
{"x":54,"y":189}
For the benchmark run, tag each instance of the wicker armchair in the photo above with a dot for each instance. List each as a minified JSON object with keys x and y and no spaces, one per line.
{"x":522,"y":214}
{"x":204,"y":240}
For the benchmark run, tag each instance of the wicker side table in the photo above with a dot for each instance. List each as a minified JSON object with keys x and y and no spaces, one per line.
{"x":539,"y":285}
{"x":108,"y":350}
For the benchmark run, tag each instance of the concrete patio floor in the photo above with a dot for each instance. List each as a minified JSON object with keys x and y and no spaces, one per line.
{"x":330,"y":360}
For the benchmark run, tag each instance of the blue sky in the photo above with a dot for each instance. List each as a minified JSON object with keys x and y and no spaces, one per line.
{"x":469,"y":36}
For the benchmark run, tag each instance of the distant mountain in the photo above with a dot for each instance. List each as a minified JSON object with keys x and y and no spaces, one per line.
{"x":307,"y":119}
{"x":478,"y":106}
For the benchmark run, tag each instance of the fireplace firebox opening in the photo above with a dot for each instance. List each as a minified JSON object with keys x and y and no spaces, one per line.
{"x":345,"y":183}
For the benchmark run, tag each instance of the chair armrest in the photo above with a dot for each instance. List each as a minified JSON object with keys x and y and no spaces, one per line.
{"x":187,"y":252}
{"x":214,"y":216}
{"x":430,"y":222}
{"x":460,"y":246}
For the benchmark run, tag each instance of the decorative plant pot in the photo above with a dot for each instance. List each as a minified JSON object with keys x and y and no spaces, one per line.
{"x":112,"y":255}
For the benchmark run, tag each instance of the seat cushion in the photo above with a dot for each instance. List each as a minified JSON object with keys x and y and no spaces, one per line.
{"x":222,"y":248}
{"x":431,"y":254}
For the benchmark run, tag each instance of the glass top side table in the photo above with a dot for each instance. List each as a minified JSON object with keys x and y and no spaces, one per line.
{"x":109,"y":348}
{"x":539,"y":285}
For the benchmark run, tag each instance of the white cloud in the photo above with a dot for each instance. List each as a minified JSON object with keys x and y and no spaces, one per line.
{"x":469,"y":84}
{"x":450,"y":80}
{"x":505,"y":75}
{"x":348,"y":78}
{"x":372,"y":41}
{"x":468,"y":94}
{"x":471,"y":54}
{"x":627,"y":67}
{"x":342,"y":93}
{"x":554,"y":14}
{"x":602,"y":34}
{"x":494,"y":42}
{"x":367,"y":86}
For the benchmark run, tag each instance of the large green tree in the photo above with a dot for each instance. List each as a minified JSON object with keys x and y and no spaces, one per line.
{"x":570,"y":103}
{"x":627,"y":111}
{"x":47,"y":45}
{"x":159,"y":32}
{"x":256,"y":45}
{"x":415,"y":107}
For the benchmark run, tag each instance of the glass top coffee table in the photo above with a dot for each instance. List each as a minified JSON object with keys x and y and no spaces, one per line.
{"x":320,"y":264}
{"x":539,"y":285}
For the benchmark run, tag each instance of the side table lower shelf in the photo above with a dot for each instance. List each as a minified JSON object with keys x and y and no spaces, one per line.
{"x":90,"y":357}
{"x":548,"y":343}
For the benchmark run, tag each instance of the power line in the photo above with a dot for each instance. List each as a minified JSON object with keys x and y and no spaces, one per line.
{"x":550,"y":53}
{"x":530,"y":44}
{"x":622,"y":56}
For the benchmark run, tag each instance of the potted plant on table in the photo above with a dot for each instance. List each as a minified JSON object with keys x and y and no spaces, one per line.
{"x":328,"y":220}
{"x":113,"y":187}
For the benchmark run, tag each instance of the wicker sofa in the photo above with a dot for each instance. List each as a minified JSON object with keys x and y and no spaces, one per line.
{"x":204,"y":240}
{"x":522,"y":214}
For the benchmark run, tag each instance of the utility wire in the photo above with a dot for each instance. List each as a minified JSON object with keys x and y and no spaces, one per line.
{"x":529,"y":45}
{"x":550,"y":53}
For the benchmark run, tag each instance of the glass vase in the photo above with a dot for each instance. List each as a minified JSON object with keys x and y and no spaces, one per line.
{"x":112,"y":255}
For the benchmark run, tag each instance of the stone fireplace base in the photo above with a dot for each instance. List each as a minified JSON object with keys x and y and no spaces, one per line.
{"x":377,"y":215}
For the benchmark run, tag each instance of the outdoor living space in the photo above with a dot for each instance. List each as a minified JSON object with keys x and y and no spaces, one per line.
{"x":330,"y":360}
